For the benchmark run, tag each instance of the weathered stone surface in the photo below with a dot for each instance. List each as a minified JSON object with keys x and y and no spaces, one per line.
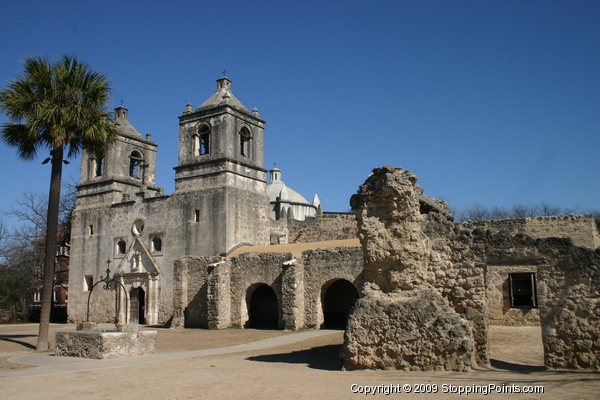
{"x":569,"y":293}
{"x":416,"y":330}
{"x":390,"y":229}
{"x":214,"y":293}
{"x":104,"y":345}
{"x":402,"y":321}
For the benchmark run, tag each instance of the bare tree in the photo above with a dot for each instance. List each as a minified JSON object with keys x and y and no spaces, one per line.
{"x":479,"y":212}
{"x":22,"y":248}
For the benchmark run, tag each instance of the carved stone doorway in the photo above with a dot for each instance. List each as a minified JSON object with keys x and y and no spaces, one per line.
{"x":137,"y":301}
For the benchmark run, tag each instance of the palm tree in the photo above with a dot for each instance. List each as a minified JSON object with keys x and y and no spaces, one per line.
{"x":59,"y":106}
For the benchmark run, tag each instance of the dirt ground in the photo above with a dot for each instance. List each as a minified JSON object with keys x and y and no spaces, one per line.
{"x":305,"y":370}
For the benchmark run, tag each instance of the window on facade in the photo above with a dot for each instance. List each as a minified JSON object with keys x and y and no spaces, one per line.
{"x":245,"y":142}
{"x":203,"y":140}
{"x":91,"y":229}
{"x":135,"y":162}
{"x":157,"y":244}
{"x":121,"y":247}
{"x":196,"y":215}
{"x":88,"y":283}
{"x":98,"y":165}
{"x":522,"y":290}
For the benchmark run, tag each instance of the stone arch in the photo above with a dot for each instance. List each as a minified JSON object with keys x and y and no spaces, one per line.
{"x":263,"y":307}
{"x":201,"y":141}
{"x":245,"y":136}
{"x":337,"y":297}
{"x":136,"y":159}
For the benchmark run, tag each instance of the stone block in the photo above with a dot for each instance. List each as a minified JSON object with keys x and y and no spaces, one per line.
{"x":104,"y":345}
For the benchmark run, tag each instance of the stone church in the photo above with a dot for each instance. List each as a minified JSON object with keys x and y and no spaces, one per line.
{"x":222,"y":201}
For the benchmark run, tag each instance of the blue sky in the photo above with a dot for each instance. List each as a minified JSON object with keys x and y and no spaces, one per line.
{"x":491,"y":102}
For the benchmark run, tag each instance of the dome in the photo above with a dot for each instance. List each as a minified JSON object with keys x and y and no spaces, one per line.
{"x":285,"y":202}
{"x":274,"y":193}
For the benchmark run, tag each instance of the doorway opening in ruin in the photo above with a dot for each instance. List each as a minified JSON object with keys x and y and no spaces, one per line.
{"x":263,"y":310}
{"x":514,"y":330}
{"x":339,"y":297}
{"x":137,"y":308}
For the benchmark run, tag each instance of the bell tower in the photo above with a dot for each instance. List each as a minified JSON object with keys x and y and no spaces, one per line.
{"x":221,"y":158}
{"x":127,"y":167}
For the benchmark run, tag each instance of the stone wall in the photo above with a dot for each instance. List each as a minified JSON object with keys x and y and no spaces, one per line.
{"x":569,"y":295}
{"x":468,"y":265}
{"x":328,"y":226}
{"x":210,"y":292}
{"x":247,"y":272}
{"x":581,"y":229}
{"x":419,"y":310}
{"x":322,"y":267}
{"x":190,"y":291}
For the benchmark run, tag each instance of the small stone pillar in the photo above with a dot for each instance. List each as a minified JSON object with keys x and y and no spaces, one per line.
{"x":218,"y":295}
{"x":180,"y":292}
{"x":292,"y":299}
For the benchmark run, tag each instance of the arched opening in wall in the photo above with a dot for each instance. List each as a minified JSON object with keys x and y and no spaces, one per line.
{"x":137,"y":306}
{"x":203,"y":138}
{"x":135,"y":162}
{"x":245,"y":142}
{"x":263,"y":309}
{"x":98,"y":165}
{"x":339,"y":297}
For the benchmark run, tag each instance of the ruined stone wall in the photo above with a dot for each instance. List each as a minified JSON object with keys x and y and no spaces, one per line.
{"x":323,"y":267}
{"x":569,"y":296}
{"x":423,"y":305}
{"x":580,"y":228}
{"x":190,"y":292}
{"x":210,"y":292}
{"x":249,"y":270}
{"x":329,"y":226}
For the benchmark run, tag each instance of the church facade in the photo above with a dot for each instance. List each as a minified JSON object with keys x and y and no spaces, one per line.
{"x":222,"y":200}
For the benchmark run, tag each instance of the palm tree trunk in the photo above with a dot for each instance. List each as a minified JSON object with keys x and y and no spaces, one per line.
{"x":50,"y":251}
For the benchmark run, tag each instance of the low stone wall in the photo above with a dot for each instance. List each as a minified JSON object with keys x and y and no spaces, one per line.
{"x":328,"y":226}
{"x":581,"y":229}
{"x":213,"y":293}
{"x":104,"y":345}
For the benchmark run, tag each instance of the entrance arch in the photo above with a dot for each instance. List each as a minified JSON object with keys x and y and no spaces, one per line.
{"x":137,"y":309}
{"x":338,"y":299}
{"x":263,"y":309}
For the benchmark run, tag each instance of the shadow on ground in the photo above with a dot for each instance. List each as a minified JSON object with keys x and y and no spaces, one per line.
{"x":522,"y":368}
{"x":14,"y":339}
{"x":323,"y":357}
